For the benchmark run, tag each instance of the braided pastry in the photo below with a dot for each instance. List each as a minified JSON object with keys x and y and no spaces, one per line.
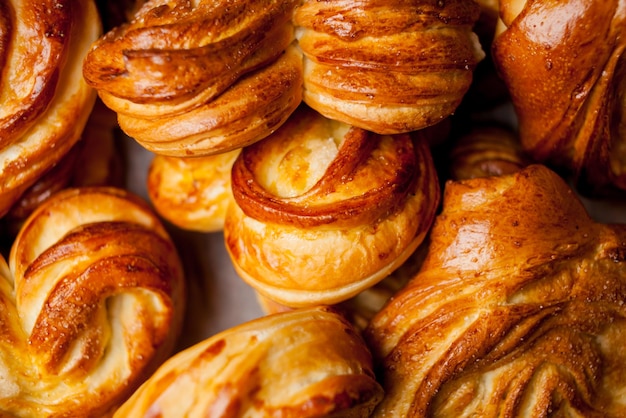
{"x":91,"y":304}
{"x":44,"y":102}
{"x":303,"y":363}
{"x":387,"y":66}
{"x":518,"y":308}
{"x":199,"y":79}
{"x":323,"y":210}
{"x":563,"y":63}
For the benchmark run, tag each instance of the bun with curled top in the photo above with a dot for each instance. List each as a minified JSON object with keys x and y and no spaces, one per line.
{"x":323,"y":210}
{"x":518,"y":308}
{"x":302,"y":363}
{"x":197,"y":79}
{"x":91,"y":303}
{"x":565,"y":67}
{"x":44,"y":101}
{"x":387,"y":66}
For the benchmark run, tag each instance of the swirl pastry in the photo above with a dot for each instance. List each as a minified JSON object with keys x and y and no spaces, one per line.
{"x":387,"y":66}
{"x":517,"y":310}
{"x":323,"y":210}
{"x":44,"y":102}
{"x":563,"y":63}
{"x":91,"y":304}
{"x":303,"y":363}
{"x":198,"y":79}
{"x":192,"y":193}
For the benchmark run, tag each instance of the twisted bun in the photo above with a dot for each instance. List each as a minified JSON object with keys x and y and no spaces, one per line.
{"x":323,"y":210}
{"x":92,"y":303}
{"x":44,"y":101}
{"x":518,"y":308}
{"x":566,"y":77}
{"x":199,"y":79}
{"x":303,"y":363}
{"x":387,"y":66}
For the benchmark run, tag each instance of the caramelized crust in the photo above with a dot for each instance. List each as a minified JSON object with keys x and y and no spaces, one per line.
{"x":192,"y":193}
{"x":91,"y":303}
{"x":387,"y":66}
{"x":518,"y":309}
{"x":304,"y":363}
{"x":324,"y":210}
{"x":44,"y":102}
{"x":565,"y":68}
{"x":199,"y":79}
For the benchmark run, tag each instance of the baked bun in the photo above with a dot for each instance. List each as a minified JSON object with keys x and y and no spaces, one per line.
{"x":92,"y":301}
{"x":564,"y":65}
{"x":45,"y":102}
{"x":190,"y":80}
{"x":518,"y":308}
{"x":323,"y":210}
{"x":387,"y":66}
{"x":192,"y":193}
{"x":303,"y":363}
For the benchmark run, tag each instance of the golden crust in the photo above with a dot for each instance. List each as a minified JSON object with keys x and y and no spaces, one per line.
{"x":518,"y":308}
{"x":324,"y":210}
{"x":192,"y":193}
{"x":387,"y":66}
{"x":197,"y":80}
{"x":44,"y":101}
{"x":303,"y":363}
{"x":564,"y":65}
{"x":91,"y":304}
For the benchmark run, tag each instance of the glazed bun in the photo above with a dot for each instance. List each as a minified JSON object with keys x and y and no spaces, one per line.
{"x":191,"y":80}
{"x":518,"y":308}
{"x":92,"y":302}
{"x":387,"y":66}
{"x":303,"y":363}
{"x":567,"y":78}
{"x":44,"y":101}
{"x":323,"y":210}
{"x":192,"y":193}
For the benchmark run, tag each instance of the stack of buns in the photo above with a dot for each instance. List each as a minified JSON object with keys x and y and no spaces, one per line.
{"x":317,"y":138}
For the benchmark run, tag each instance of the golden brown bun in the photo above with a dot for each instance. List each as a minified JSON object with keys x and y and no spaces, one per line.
{"x":324,"y":210}
{"x":304,"y":363}
{"x":92,"y":302}
{"x":518,"y":309}
{"x":44,"y":102}
{"x":192,"y":193}
{"x":196,"y":80}
{"x":486,"y":150}
{"x":387,"y":66}
{"x":565,"y":67}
